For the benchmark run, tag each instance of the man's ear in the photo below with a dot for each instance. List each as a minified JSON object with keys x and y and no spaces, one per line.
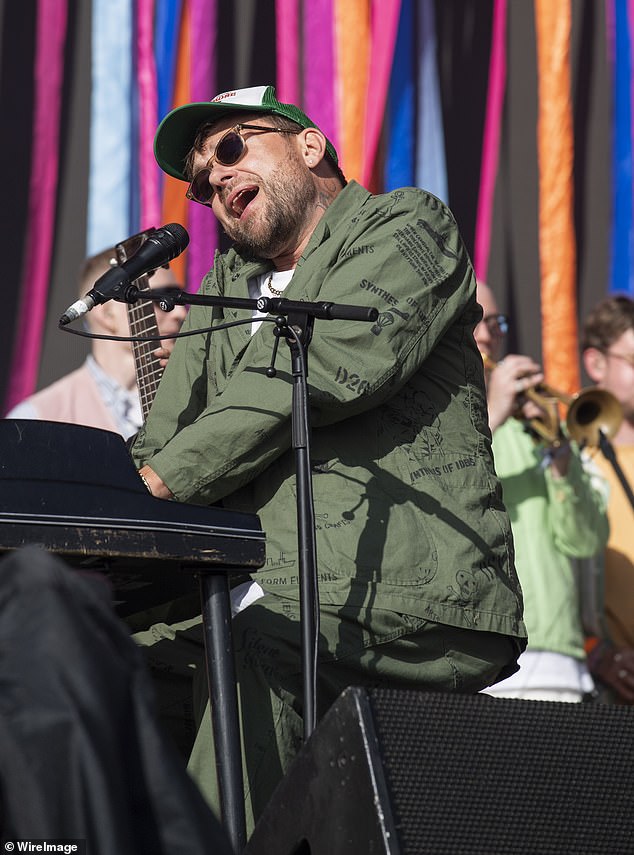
{"x":594,"y":363}
{"x":312,"y":146}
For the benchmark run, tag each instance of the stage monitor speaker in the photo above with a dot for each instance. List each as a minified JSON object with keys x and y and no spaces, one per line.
{"x":410,"y":773}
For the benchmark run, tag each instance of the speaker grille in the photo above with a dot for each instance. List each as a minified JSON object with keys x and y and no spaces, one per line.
{"x":471,"y":774}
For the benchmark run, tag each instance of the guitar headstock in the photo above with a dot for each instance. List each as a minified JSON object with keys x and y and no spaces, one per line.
{"x":142,"y":321}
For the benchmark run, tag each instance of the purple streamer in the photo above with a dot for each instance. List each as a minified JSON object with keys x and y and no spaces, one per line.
{"x":203,"y":229}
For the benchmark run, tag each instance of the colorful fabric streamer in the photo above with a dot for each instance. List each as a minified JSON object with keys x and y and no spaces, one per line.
{"x":203,"y":230}
{"x":48,"y":75}
{"x":175,"y":205}
{"x":622,"y":243}
{"x":401,"y":106}
{"x":166,"y":40}
{"x":491,"y":141}
{"x":431,"y":166}
{"x":319,"y":68}
{"x":383,"y":30}
{"x":287,"y":51}
{"x":150,"y":206}
{"x":352,"y":38}
{"x":367,"y":72}
{"x":557,"y":248}
{"x":109,"y":189}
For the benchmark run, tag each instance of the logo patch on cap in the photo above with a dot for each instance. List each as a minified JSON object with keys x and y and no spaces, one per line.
{"x":251,"y":97}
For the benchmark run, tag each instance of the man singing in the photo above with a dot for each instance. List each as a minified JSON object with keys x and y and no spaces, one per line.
{"x":417,"y":586}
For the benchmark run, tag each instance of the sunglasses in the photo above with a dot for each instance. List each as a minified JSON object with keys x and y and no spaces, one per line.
{"x":229,"y":149}
{"x":496,"y":324}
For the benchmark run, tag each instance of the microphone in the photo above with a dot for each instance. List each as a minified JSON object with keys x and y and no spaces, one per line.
{"x":161,"y":246}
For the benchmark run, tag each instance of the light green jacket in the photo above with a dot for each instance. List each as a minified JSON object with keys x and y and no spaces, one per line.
{"x":408,"y":507}
{"x":554,"y":522}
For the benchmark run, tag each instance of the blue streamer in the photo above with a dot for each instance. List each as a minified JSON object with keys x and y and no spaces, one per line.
{"x":110,"y":139}
{"x":399,"y":161}
{"x":622,"y":273}
{"x":431,"y":166}
{"x":166,"y":32}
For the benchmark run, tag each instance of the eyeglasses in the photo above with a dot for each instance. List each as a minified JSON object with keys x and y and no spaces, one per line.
{"x":626,"y":357}
{"x":497,"y":325}
{"x":229,"y":149}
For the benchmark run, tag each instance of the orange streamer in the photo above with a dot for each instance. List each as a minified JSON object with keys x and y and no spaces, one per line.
{"x":175,"y":204}
{"x":557,"y":246}
{"x":352,"y":32}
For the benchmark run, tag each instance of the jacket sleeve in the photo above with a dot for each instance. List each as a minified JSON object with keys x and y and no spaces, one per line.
{"x":578,"y":509}
{"x":218,"y":421}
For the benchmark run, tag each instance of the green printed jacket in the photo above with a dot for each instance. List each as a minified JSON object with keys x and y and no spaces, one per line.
{"x":409,"y":513}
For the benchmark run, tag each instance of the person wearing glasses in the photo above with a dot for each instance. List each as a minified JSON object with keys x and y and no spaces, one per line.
{"x":415,"y":571}
{"x":608,"y":358}
{"x":103,"y":392}
{"x":557,"y":507}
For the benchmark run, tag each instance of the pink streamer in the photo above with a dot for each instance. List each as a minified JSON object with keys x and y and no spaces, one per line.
{"x":148,"y":116}
{"x":202,"y":226}
{"x":48,"y":72}
{"x":287,"y":55}
{"x":384,"y":26}
{"x":319,"y":66}
{"x":491,"y":140}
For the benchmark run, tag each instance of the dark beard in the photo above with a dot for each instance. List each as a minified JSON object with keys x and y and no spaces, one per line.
{"x":290,"y":192}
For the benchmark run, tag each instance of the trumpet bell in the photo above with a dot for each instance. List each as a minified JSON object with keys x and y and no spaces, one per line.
{"x":589,"y":412}
{"x":593,"y":410}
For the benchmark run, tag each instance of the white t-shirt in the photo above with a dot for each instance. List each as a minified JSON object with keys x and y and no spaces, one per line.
{"x":260,"y":286}
{"x":544,"y":673}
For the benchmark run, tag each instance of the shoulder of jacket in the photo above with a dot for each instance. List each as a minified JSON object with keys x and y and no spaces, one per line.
{"x":416,"y":200}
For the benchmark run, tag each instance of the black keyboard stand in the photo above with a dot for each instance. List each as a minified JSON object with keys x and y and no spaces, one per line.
{"x":221,"y":676}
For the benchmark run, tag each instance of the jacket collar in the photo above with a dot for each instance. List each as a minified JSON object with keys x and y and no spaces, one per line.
{"x":242,"y":268}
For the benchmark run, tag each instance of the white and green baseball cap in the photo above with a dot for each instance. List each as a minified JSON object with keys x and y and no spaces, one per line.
{"x":176,"y":133}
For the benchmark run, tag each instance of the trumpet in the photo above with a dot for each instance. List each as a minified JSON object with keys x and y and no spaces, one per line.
{"x":590,"y":412}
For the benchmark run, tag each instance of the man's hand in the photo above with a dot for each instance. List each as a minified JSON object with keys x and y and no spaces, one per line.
{"x":505,"y":386}
{"x":163,"y":352}
{"x":614,"y":666}
{"x":154,"y":483}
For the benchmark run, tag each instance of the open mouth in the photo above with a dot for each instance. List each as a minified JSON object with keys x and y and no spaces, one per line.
{"x":242,"y":199}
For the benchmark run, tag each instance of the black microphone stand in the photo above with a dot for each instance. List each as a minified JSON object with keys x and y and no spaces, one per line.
{"x":294,"y":322}
{"x":297,"y":331}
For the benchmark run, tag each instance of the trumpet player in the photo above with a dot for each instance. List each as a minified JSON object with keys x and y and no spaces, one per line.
{"x":558,"y":513}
